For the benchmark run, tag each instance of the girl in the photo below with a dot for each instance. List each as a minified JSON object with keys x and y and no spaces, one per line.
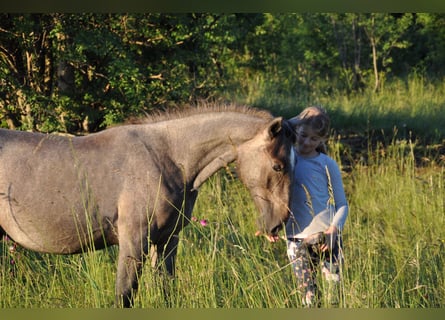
{"x":319,"y":206}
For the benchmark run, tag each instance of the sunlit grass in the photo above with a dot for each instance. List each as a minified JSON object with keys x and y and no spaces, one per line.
{"x":413,"y":106}
{"x":394,"y":239}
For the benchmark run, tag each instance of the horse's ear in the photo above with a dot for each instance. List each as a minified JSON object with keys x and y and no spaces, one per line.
{"x":275,"y":127}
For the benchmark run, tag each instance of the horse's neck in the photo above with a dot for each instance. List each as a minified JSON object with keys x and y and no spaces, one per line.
{"x":202,"y":144}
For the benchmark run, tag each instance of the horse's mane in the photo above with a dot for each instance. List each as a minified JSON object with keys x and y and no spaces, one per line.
{"x":190,"y":110}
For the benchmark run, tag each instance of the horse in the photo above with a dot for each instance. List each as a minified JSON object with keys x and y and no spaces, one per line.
{"x":134,"y":185}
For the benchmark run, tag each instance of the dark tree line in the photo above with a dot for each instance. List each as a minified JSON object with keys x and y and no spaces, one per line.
{"x":82,"y":72}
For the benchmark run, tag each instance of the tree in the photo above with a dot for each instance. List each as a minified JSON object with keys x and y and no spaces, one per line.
{"x":430,"y":42}
{"x":83,"y":72}
{"x":348,"y":36}
{"x":384,"y":32}
{"x":26,"y":69}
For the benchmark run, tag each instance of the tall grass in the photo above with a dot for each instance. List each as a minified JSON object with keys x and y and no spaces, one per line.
{"x":413,"y":105}
{"x":393,"y":239}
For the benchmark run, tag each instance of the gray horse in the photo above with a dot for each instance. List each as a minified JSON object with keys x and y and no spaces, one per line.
{"x":135,"y":185}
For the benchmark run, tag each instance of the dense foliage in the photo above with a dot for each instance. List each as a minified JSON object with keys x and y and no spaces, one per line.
{"x":82,"y":72}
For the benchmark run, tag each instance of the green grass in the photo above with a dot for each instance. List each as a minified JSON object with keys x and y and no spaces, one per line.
{"x":413,"y":106}
{"x":393,"y":239}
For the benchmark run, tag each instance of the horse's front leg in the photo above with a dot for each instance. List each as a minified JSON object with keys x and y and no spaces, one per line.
{"x":163,"y":256}
{"x":132,"y":252}
{"x":169,"y":254}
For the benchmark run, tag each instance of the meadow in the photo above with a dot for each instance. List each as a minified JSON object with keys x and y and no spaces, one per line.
{"x":391,"y":149}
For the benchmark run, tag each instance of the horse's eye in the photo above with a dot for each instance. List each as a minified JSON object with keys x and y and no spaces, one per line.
{"x":277,"y":167}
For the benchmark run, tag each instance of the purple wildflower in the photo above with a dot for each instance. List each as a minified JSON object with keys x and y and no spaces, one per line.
{"x":203,"y":222}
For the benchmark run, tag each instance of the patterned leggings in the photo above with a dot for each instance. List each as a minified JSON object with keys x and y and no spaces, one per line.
{"x":306,"y":258}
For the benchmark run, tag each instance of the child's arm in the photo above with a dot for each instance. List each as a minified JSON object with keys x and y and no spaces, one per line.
{"x":341,"y":203}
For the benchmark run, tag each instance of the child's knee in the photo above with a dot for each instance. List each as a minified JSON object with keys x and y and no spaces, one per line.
{"x":331,"y":271}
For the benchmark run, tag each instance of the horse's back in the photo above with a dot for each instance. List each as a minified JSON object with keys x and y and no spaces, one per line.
{"x":25,"y":156}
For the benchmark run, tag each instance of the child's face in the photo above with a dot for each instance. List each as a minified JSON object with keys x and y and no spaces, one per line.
{"x":307,"y":141}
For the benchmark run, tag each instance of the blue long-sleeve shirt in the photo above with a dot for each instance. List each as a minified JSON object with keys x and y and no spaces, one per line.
{"x":314,"y":207}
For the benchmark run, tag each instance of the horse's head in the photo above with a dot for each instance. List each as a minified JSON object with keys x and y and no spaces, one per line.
{"x":265,"y":165}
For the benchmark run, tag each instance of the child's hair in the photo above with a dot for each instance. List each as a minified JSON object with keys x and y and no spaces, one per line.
{"x":317,"y":118}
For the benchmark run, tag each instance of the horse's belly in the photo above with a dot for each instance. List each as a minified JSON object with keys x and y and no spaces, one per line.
{"x":55,"y":198}
{"x":53,"y":227}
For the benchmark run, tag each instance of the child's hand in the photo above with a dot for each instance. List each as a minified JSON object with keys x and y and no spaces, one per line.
{"x":270,"y":238}
{"x":330,"y":238}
